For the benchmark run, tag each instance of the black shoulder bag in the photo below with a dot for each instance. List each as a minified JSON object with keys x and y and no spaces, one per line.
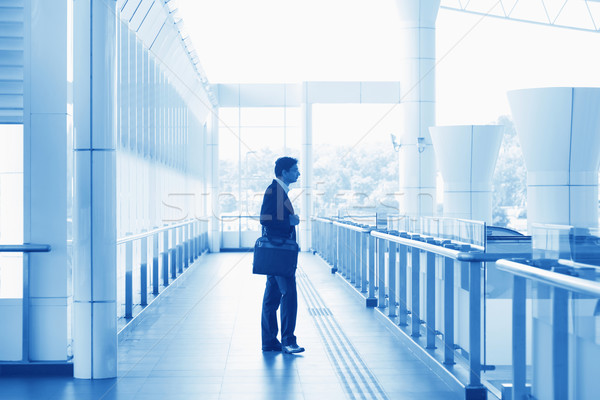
{"x":275,"y":256}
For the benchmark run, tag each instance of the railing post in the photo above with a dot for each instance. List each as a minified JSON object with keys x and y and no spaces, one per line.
{"x":180,"y":255}
{"x":188,"y":244}
{"x":324,"y":240}
{"x":128,"y":278}
{"x":371,"y":300}
{"x":144,"y":271}
{"x":192,"y":241}
{"x":185,"y":259}
{"x":392,"y":280}
{"x":340,"y":246}
{"x":343,"y":252}
{"x":200,"y":239}
{"x":475,"y":390}
{"x":314,"y":235}
{"x":519,"y":334}
{"x":448,"y":311}
{"x":331,"y":232}
{"x":330,"y":244}
{"x":165,"y":258}
{"x":364,"y":254}
{"x":155,"y":277}
{"x":415,"y":292}
{"x":348,"y":263}
{"x":205,"y":245}
{"x":430,"y":313}
{"x":173,"y":251}
{"x":318,"y":236}
{"x":191,"y":254}
{"x":381,"y":247}
{"x":195,"y":244}
{"x":560,"y":340}
{"x":357,"y":259}
{"x":403,"y":310}
{"x":338,"y":249}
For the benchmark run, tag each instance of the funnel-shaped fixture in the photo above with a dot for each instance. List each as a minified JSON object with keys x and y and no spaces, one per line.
{"x":559,"y":131}
{"x":466,"y":156}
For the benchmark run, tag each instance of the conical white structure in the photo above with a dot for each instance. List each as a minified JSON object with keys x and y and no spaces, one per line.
{"x":466,"y":156}
{"x":559,"y":131}
{"x":417,"y":161}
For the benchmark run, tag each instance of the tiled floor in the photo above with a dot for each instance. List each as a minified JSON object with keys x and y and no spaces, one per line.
{"x":202,"y":341}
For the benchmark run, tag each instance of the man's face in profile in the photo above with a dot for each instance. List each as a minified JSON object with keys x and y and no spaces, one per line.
{"x":291,"y":175}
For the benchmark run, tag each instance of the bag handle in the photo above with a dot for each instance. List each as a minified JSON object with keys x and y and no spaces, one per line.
{"x":265,"y":233}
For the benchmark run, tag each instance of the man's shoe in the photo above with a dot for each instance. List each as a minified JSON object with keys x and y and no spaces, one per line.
{"x":293,"y":348}
{"x":271,"y":348}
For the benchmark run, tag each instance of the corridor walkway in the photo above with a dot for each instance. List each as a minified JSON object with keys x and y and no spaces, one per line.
{"x":202,"y":341}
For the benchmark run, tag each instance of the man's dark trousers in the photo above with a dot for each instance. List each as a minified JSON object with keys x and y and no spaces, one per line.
{"x":279,"y":290}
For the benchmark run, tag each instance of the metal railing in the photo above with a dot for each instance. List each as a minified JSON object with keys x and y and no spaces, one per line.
{"x":172,"y":249}
{"x":458,"y":230}
{"x":398,"y":273}
{"x":569,"y":306}
{"x":25,"y":249}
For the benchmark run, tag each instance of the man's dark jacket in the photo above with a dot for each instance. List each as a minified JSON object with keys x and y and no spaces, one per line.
{"x":275,"y":212}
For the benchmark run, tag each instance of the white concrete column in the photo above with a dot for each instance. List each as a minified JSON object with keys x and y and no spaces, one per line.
{"x":48,"y":122}
{"x":417,"y":104}
{"x":214,"y":212}
{"x":466,"y":156}
{"x":306,"y":171}
{"x":559,"y":131}
{"x":94,"y":219}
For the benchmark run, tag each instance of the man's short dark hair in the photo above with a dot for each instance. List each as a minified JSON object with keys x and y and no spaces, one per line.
{"x":284,"y":164}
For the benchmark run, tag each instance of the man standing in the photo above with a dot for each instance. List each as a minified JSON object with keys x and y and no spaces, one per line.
{"x":278,"y":220}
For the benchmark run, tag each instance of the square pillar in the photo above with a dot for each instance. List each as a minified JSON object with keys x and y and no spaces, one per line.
{"x":48,"y":130}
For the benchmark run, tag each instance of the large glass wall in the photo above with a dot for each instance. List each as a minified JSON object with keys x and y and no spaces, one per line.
{"x":160,"y":153}
{"x":355,"y":165}
{"x":250,"y":140}
{"x":11,"y":209}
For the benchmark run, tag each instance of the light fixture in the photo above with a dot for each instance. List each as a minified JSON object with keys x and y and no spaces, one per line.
{"x":421,"y":144}
{"x":395,"y":143}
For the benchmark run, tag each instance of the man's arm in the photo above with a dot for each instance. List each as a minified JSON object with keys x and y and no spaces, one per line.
{"x":272,"y":213}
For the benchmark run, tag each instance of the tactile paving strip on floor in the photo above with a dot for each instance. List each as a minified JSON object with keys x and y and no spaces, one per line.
{"x":356,"y":378}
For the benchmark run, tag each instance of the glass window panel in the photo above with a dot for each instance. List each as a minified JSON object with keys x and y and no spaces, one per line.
{"x":247,"y":154}
{"x":229,"y":116}
{"x":254,"y":116}
{"x":11,"y":209}
{"x":228,"y":144}
{"x":254,"y":139}
{"x":293,"y":141}
{"x":352,"y":124}
{"x":355,"y":166}
{"x":293,"y":117}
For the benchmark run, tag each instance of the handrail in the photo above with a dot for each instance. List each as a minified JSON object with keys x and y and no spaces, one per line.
{"x":571,"y":283}
{"x":478,"y":256}
{"x":418,"y":244}
{"x":154,"y":231}
{"x":25,"y":248}
{"x":470,"y":256}
{"x":352,"y":227}
{"x":578,"y":265}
